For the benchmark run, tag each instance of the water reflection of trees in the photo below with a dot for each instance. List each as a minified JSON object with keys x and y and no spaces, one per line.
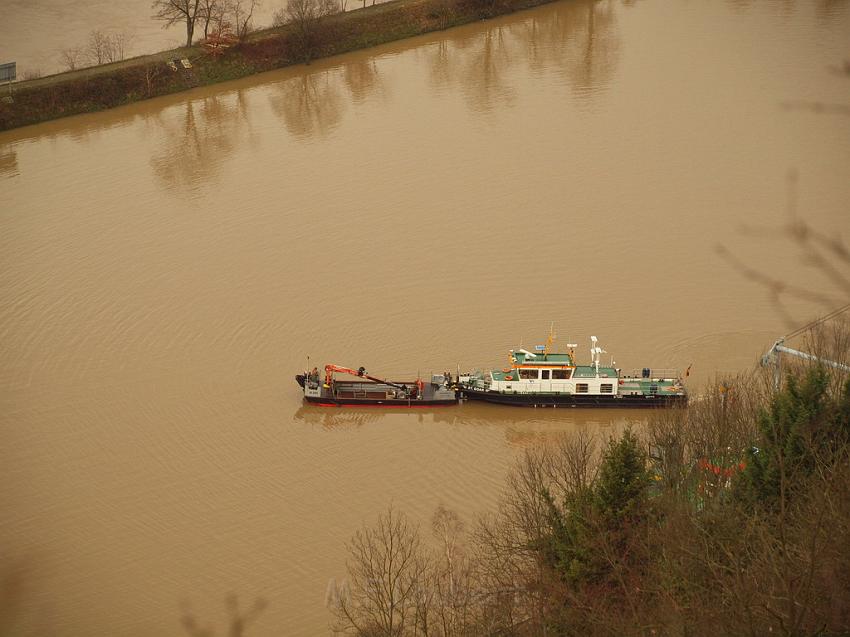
{"x":200,"y":138}
{"x":308,"y":104}
{"x":577,"y":39}
{"x":8,"y":163}
{"x":313,"y":103}
{"x":361,"y":78}
{"x":825,"y":10}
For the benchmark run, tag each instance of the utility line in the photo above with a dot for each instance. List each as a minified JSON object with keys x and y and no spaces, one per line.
{"x":832,"y":314}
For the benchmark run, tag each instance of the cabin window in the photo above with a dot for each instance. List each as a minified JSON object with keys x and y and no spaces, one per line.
{"x":528,"y":373}
{"x":581,"y":388}
{"x":606,"y":388}
{"x":562,"y":374}
{"x":544,"y":374}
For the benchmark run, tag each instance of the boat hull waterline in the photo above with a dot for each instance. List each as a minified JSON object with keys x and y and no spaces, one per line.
{"x":543,"y":378}
{"x":571,"y":400}
{"x":398,"y":394}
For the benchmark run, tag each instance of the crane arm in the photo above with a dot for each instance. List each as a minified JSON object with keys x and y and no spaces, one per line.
{"x":330,"y":369}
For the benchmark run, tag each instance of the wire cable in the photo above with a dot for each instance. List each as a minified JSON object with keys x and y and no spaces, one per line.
{"x":831,"y":315}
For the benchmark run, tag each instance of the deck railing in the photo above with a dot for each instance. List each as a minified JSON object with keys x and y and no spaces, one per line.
{"x":653,"y":373}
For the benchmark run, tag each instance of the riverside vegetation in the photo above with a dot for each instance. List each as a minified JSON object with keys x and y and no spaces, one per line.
{"x":731,"y":517}
{"x":307,"y":35}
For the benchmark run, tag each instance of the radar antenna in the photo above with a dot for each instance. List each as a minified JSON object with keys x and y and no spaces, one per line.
{"x":595,"y":352}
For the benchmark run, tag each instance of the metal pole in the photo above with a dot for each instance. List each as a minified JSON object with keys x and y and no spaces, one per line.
{"x":811,"y":357}
{"x":774,"y":357}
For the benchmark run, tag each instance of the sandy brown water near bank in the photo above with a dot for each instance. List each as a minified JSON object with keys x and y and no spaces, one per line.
{"x":167,"y":267}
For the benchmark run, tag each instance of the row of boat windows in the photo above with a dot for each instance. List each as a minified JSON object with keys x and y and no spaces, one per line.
{"x":556,"y":374}
{"x":583,"y":388}
{"x":604,"y":388}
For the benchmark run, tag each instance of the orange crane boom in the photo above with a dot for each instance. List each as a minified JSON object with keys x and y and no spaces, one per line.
{"x":361,"y":373}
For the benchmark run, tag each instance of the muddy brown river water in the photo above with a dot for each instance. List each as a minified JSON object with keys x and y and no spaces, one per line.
{"x":167,"y":268}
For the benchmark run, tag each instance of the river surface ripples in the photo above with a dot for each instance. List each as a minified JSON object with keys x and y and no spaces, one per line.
{"x":166,"y":268}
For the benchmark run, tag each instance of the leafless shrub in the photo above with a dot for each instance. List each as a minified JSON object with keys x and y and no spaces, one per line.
{"x":242,"y":12}
{"x":71,"y":58}
{"x":150,"y":73}
{"x":700,"y":446}
{"x":280,"y":17}
{"x":730,"y":571}
{"x":304,"y":17}
{"x":387,"y":572}
{"x":104,"y":47}
{"x":212,"y":14}
{"x":515,"y":584}
{"x":778,"y":569}
{"x":452,"y":594}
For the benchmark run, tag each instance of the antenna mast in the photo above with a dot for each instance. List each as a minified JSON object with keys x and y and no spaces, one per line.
{"x":595,"y":352}
{"x":551,"y":338}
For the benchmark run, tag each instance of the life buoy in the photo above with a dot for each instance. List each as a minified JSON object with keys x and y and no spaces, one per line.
{"x":509,"y":377}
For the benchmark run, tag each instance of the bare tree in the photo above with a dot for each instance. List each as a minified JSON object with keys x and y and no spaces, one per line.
{"x":211,"y":12}
{"x":242,"y":12}
{"x":104,"y":47}
{"x":71,"y":58}
{"x":151,"y":72}
{"x":304,"y":16}
{"x":99,"y":47}
{"x":452,"y":578}
{"x":330,"y":7}
{"x":280,"y":17}
{"x":175,"y":11}
{"x":387,"y":574}
{"x":516,"y":584}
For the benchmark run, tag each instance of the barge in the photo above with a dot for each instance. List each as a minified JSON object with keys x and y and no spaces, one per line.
{"x":549,"y":379}
{"x":370,"y":391}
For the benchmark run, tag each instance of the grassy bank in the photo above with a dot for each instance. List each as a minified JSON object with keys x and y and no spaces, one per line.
{"x":98,"y":88}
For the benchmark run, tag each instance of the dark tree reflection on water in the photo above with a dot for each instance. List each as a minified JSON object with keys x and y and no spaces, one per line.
{"x":309,"y":105}
{"x":362,"y":78}
{"x":8,"y":163}
{"x":826,"y":10}
{"x":578,"y":40}
{"x":200,"y":140}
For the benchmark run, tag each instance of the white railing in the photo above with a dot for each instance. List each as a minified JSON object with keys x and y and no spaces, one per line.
{"x":655,"y":373}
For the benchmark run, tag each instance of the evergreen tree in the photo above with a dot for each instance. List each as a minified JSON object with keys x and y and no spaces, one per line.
{"x":802,"y":426}
{"x":607,"y":512}
{"x":622,"y":487}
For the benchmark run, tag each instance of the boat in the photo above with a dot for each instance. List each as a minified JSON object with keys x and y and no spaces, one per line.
{"x":545,"y":378}
{"x":370,"y":391}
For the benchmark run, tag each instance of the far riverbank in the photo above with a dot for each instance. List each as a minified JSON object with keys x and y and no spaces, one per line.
{"x":106,"y":86}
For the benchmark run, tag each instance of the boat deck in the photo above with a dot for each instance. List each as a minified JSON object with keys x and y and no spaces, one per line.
{"x":396,"y":394}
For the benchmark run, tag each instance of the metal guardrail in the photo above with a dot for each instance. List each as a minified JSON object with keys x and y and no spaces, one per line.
{"x":654,"y":373}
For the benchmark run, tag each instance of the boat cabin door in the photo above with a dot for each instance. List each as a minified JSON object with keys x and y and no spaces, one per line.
{"x":546,"y":380}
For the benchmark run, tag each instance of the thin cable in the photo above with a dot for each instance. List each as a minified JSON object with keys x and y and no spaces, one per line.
{"x":832,"y":314}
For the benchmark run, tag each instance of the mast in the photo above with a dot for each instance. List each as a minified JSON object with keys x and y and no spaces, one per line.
{"x":550,"y":339}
